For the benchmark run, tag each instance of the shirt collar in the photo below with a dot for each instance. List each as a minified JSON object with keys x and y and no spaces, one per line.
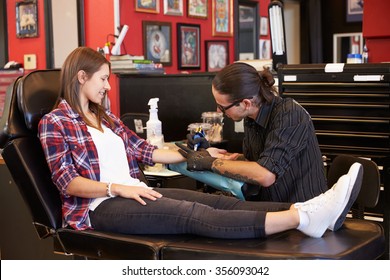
{"x":64,"y":106}
{"x":264,"y":114}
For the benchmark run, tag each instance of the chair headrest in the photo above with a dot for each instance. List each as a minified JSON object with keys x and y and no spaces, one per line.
{"x":29,"y":98}
{"x":369,"y":192}
{"x":37,"y":93}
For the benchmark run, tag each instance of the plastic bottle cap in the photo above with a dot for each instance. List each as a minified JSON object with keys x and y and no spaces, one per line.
{"x":153,"y":103}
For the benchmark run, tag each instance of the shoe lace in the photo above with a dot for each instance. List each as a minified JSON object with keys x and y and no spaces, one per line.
{"x":316,"y":203}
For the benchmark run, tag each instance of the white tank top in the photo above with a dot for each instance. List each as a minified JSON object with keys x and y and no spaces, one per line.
{"x":113,"y":163}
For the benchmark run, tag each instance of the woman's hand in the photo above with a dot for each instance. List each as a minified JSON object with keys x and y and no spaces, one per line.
{"x":222,"y":154}
{"x":135,"y":192}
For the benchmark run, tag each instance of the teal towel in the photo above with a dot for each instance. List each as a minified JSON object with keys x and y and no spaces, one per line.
{"x":214,"y":180}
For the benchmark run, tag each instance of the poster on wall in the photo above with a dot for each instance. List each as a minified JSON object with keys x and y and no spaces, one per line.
{"x":222,"y":11}
{"x":354,"y":10}
{"x":157,"y":40}
{"x":265,"y":49}
{"x":147,"y":6}
{"x":263,"y":26}
{"x":173,"y":7}
{"x":188,"y":46}
{"x":26,"y":19}
{"x":197,"y":8}
{"x":217,"y":55}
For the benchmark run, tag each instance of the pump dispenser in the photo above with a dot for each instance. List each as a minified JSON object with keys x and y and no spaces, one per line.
{"x":153,"y":126}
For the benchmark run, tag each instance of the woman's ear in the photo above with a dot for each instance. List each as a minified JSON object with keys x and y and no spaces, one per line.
{"x":82,"y":76}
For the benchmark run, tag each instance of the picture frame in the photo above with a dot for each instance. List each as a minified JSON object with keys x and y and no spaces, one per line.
{"x":157,"y":41}
{"x":173,"y":7}
{"x":346,"y":43}
{"x":263,"y":26}
{"x":354,"y":10}
{"x":151,"y":6}
{"x":188,"y":46}
{"x":26,"y":19}
{"x":222,"y":18}
{"x":246,"y":14}
{"x":265,"y":49}
{"x":217,"y":54}
{"x":197,"y":8}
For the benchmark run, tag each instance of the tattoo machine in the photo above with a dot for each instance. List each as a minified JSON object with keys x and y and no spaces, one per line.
{"x":198,"y":134}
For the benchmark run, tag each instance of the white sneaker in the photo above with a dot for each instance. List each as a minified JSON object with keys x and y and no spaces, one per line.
{"x":324,"y":209}
{"x":356,"y":174}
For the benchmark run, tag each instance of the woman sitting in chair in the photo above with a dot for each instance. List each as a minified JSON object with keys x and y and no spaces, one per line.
{"x":93,"y":159}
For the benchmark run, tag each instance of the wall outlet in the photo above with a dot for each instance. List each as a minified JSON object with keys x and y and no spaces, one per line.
{"x":30,"y":61}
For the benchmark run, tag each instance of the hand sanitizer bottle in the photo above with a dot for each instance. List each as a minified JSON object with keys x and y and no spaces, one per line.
{"x":154,"y":131}
{"x":153,"y":125}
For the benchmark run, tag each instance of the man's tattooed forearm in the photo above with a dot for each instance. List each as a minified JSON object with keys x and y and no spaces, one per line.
{"x":238,"y":177}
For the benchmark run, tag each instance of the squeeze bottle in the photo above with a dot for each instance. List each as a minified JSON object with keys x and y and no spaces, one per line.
{"x":153,"y":126}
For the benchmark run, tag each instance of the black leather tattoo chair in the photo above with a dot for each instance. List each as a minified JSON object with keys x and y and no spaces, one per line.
{"x":34,"y":95}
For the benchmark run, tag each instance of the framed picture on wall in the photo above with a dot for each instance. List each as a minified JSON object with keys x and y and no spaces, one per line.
{"x":263,"y":26}
{"x":150,"y":6}
{"x":173,"y":7}
{"x":157,"y":41}
{"x":222,"y":20}
{"x":198,"y":8}
{"x":217,"y":55}
{"x":265,"y":49}
{"x":26,"y":19}
{"x":188,"y":46}
{"x":354,"y":10}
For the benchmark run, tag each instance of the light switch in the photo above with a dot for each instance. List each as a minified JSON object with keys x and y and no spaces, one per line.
{"x":30,"y":61}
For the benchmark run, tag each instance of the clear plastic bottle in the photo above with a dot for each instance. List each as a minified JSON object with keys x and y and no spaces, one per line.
{"x":215,"y":133}
{"x":365,"y":54}
{"x":154,"y":133}
{"x":153,"y":125}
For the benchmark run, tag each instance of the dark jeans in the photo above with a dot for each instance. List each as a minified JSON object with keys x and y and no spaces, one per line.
{"x":182,"y":211}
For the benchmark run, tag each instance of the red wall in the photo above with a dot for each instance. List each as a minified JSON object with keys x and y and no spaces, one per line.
{"x":376,"y":31}
{"x":134,"y":36}
{"x":99,"y":22}
{"x":18,"y":47}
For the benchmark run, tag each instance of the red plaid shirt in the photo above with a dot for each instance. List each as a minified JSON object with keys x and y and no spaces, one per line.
{"x":70,"y":152}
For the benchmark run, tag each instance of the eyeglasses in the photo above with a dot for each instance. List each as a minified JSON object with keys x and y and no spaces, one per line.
{"x":223,"y":109}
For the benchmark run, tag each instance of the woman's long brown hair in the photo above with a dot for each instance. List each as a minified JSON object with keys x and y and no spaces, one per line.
{"x":90,"y":61}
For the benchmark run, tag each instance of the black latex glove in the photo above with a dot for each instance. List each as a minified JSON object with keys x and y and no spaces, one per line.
{"x":196,"y":160}
{"x":200,"y":141}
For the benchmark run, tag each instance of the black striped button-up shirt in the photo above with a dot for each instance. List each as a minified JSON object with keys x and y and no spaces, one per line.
{"x":283,"y":140}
